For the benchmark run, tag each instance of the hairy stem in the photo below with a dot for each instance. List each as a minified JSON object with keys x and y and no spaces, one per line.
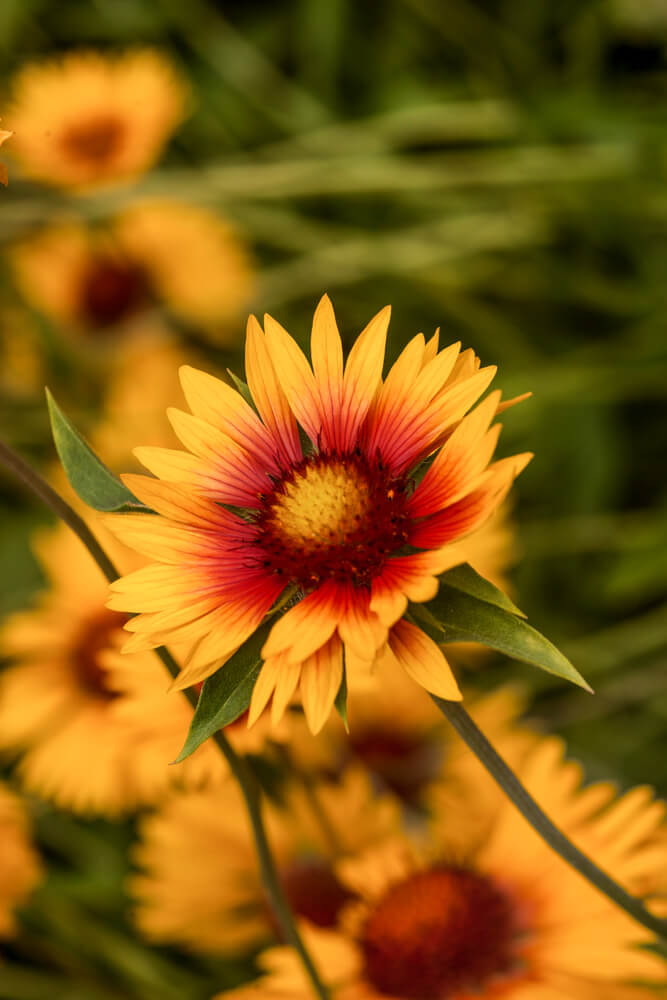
{"x":456,"y":714}
{"x":237,"y":765}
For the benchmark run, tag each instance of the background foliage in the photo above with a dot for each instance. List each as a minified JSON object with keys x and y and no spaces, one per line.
{"x":496,"y":169}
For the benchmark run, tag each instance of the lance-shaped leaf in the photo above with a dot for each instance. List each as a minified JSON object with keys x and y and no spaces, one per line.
{"x":465,"y":578}
{"x":454,"y":616}
{"x":88,"y":475}
{"x":226,"y":694}
{"x":243,"y":388}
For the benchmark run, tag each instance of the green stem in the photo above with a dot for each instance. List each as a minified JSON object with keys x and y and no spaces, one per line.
{"x":237,"y":765}
{"x":48,"y":496}
{"x":279,"y":902}
{"x":251,"y":793}
{"x":456,"y":714}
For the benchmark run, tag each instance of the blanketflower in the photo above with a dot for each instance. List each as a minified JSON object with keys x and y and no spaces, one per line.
{"x":200,"y":883}
{"x":99,"y":280}
{"x":87,"y":118}
{"x":313,"y":495}
{"x":504,"y":919}
{"x":96,"y":729}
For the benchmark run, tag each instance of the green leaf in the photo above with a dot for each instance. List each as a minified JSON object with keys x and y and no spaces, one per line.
{"x":226,"y":694}
{"x":243,"y":388}
{"x":89,"y":477}
{"x":454,"y":616}
{"x":465,"y":578}
{"x":340,"y":702}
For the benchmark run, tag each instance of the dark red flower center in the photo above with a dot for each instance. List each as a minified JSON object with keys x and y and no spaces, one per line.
{"x":405,"y":761}
{"x":439,"y":932}
{"x":313,"y":890}
{"x":95,"y":140}
{"x":94,"y":637}
{"x":111,"y":290}
{"x":333,"y":517}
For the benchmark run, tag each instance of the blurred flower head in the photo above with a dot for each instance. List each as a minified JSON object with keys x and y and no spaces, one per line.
{"x":97,"y":730}
{"x":200,"y":884}
{"x":97,"y":281}
{"x":324,"y":522}
{"x":20,"y":867}
{"x":412,"y":750}
{"x":88,"y":118}
{"x":503,"y":919}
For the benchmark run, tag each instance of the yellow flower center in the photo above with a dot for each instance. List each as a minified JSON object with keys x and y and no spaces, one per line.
{"x":332,"y":517}
{"x":442,"y":933}
{"x":322,"y":505}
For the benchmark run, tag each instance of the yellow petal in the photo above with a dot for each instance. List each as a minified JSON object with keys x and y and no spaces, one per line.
{"x":295,"y":376}
{"x":321,"y":675}
{"x":326,"y":352}
{"x":423,"y":660}
{"x":271,"y":401}
{"x":306,"y":626}
{"x":264,"y":687}
{"x":363,"y":375}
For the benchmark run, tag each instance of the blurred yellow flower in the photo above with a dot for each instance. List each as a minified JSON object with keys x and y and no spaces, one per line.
{"x":196,"y":261}
{"x":88,"y":118}
{"x":98,"y":730}
{"x":20,"y":867}
{"x":506,"y":919}
{"x":200,"y":884}
{"x":98,"y":280}
{"x":327,"y":525}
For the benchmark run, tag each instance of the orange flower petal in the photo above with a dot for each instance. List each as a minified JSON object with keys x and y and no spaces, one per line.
{"x":223,"y":407}
{"x":295,"y":377}
{"x":321,"y":675}
{"x":271,"y":401}
{"x":363,"y":374}
{"x":423,"y":660}
{"x":326,"y":352}
{"x":306,"y":626}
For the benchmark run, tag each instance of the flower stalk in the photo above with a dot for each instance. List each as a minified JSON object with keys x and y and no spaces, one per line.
{"x":238,"y":766}
{"x":475,"y":739}
{"x":39,"y":486}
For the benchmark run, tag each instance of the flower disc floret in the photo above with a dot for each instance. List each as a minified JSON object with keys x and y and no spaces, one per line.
{"x":333,"y":518}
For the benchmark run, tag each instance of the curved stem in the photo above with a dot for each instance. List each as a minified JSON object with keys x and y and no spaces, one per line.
{"x":456,"y":714}
{"x":237,"y":765}
{"x":279,"y":902}
{"x":39,"y":486}
{"x":251,"y":793}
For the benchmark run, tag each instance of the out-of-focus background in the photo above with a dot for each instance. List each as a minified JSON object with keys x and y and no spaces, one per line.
{"x":494,"y":169}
